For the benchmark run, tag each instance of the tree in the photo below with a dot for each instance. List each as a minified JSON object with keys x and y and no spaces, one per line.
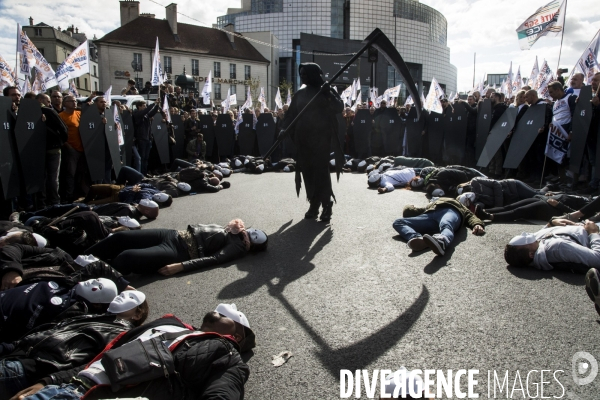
{"x":284,"y":88}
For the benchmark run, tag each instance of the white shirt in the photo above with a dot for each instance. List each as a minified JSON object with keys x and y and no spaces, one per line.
{"x":393,"y":178}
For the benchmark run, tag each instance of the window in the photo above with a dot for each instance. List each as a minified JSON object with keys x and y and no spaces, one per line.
{"x":37,"y":31}
{"x":245,"y":92}
{"x":77,"y":83}
{"x":246,"y":72}
{"x":195,"y":67}
{"x":232,"y":71}
{"x":85,"y":86}
{"x":233,"y":89}
{"x":167,"y":66}
{"x":137,"y":58}
{"x":217,"y":69}
{"x":217,"y":90}
{"x":41,"y":51}
{"x":95,"y":72}
{"x":96,"y":86}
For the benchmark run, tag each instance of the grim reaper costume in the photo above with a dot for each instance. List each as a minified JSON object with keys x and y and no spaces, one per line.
{"x":314,"y":135}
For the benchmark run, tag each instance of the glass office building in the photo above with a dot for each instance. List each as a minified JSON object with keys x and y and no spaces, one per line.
{"x":418,"y":31}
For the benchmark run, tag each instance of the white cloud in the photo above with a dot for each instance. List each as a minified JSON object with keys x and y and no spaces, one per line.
{"x":483,"y":26}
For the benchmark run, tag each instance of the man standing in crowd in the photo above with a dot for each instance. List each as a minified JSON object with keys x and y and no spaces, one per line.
{"x":471,"y":107}
{"x":575,"y":84}
{"x":56,"y":99}
{"x":190,"y":103}
{"x":56,"y":136}
{"x":592,"y":137}
{"x":191,"y":127}
{"x":498,"y":108}
{"x":73,"y":157}
{"x":142,"y":120}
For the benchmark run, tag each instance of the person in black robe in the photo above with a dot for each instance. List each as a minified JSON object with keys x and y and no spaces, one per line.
{"x":313,"y":135}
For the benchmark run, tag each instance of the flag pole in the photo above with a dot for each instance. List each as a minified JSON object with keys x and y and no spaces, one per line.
{"x":474,"y":62}
{"x":562,"y":36}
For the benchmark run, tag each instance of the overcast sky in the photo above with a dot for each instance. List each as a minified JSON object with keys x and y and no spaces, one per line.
{"x":483,"y":26}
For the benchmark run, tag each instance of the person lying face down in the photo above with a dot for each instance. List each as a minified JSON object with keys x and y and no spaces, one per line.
{"x":170,"y":251}
{"x":70,"y":344}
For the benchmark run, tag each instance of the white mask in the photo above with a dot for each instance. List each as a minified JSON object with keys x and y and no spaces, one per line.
{"x":523,"y":239}
{"x":185,"y":187}
{"x":127,"y":300}
{"x":148,"y":203}
{"x":160,"y":197}
{"x":437,"y":193}
{"x":95,"y":291}
{"x":256,"y":236}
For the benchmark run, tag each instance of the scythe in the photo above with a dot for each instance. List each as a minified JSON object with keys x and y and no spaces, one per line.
{"x":378,"y":40}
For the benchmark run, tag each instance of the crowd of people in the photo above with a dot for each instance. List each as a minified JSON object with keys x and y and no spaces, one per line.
{"x":64,"y":261}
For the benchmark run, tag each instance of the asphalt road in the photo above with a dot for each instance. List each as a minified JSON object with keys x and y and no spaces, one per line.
{"x":350,"y":295}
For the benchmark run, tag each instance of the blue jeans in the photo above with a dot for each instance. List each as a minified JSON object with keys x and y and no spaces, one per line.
{"x":144,"y":147}
{"x":62,"y":392}
{"x":129,"y":175}
{"x":444,"y":221}
{"x":136,"y":160}
{"x":12,"y":378}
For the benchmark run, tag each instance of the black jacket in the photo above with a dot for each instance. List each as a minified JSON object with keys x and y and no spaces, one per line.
{"x":56,"y":130}
{"x":215,"y":246}
{"x":488,"y":192}
{"x":450,"y":177}
{"x":497,"y":112}
{"x":142,"y":123}
{"x":208,"y":367}
{"x":71,"y":343}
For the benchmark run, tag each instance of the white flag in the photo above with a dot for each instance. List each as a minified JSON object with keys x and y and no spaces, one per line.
{"x":30,"y":55}
{"x":26,"y":87}
{"x":557,"y":144}
{"x":409,"y":101}
{"x":535,"y":71}
{"x":544,"y":75}
{"x":73,"y":89}
{"x":157,"y":71}
{"x":439,"y":92}
{"x":7,"y":76}
{"x":165,"y":108}
{"x":452,"y":98}
{"x":347,"y":94}
{"x":262,"y":100}
{"x":27,"y":61}
{"x":233,"y":100}
{"x":358,"y":88}
{"x":517,"y":82}
{"x":278,"y":102}
{"x":248,"y":103}
{"x":547,"y":20}
{"x":353,"y":92}
{"x":207,"y":89}
{"x":107,"y":96}
{"x":75,"y":65}
{"x":38,"y":84}
{"x":588,"y":65}
{"x":432,"y":102}
{"x":225,"y":103}
{"x":117,"y":118}
{"x":508,"y":84}
{"x":288,"y":101}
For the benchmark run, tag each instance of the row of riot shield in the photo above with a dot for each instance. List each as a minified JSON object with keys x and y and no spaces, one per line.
{"x":490,"y":139}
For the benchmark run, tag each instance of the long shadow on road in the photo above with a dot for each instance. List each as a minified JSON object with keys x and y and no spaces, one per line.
{"x":290,"y":259}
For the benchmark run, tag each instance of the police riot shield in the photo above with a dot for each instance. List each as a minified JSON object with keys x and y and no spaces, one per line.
{"x":265,"y":132}
{"x":128,"y":136}
{"x":225,"y":135}
{"x":525,"y":134}
{"x":112,"y":139}
{"x":414,"y":130}
{"x":9,"y":173}
{"x":246,"y":135}
{"x":455,"y":133}
{"x":392,"y":128}
{"x":363,"y":125}
{"x":30,"y":136}
{"x":178,"y":148}
{"x":484,"y":119}
{"x":435,"y":136}
{"x":91,"y":130}
{"x":161,"y":138}
{"x":582,"y":118}
{"x":208,"y":133}
{"x":497,"y":136}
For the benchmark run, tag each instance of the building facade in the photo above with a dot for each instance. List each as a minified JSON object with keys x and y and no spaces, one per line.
{"x":418,"y":31}
{"x":56,"y":45}
{"x":127,"y":53}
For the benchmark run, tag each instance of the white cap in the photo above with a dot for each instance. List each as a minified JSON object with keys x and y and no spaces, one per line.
{"x":85,"y":260}
{"x":223,"y":165}
{"x":128,"y":222}
{"x":437,"y":193}
{"x":160,"y":197}
{"x":246,"y":161}
{"x":286,"y":169}
{"x":148,"y":203}
{"x":383,"y":166}
{"x":41,"y":241}
{"x":523,"y":239}
{"x":125,"y":301}
{"x":238,"y":163}
{"x":226,"y":172}
{"x":185,"y":187}
{"x":261,"y":167}
{"x":370,"y":167}
{"x":332,"y":163}
{"x":374,"y":178}
{"x":231,"y":311}
{"x":362,"y":163}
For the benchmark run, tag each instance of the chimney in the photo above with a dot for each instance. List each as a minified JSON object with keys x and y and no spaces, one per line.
{"x":30,"y":21}
{"x":172,"y":17}
{"x":147,"y":15}
{"x":130,"y":10}
{"x":229,"y":28}
{"x":76,"y":30}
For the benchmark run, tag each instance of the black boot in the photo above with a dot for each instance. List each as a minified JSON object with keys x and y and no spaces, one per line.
{"x":313,"y":211}
{"x":327,"y":211}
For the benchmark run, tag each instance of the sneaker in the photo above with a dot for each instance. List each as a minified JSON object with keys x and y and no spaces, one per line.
{"x":436,"y":243}
{"x":417,"y":244}
{"x":592,"y":287}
